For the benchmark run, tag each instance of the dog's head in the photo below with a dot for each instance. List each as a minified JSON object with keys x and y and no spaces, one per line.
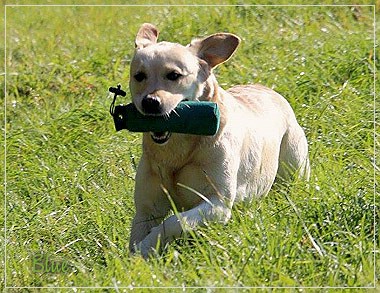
{"x":164,"y":74}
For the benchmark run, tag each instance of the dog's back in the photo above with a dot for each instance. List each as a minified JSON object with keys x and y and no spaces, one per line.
{"x":267,"y":119}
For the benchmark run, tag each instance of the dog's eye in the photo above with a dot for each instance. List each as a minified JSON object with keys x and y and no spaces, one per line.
{"x":173,"y":75}
{"x":140,"y":76}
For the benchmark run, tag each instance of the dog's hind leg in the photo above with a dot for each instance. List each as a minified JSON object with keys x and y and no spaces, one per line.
{"x":293,"y":157}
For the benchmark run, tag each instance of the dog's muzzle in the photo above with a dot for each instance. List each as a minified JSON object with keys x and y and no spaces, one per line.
{"x":151,"y":105}
{"x":160,"y":137}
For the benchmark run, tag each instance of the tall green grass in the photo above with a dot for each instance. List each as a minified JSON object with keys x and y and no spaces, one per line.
{"x":70,"y":176}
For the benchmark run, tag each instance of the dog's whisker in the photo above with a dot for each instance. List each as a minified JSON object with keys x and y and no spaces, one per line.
{"x":175,"y":112}
{"x":166,"y":116}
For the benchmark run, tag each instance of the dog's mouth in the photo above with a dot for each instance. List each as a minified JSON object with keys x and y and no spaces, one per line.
{"x":160,"y":137}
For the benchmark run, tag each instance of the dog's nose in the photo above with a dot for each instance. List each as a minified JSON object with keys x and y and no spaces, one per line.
{"x":151,"y":104}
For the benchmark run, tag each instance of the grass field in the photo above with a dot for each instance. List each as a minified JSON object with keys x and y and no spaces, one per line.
{"x":70,"y":176}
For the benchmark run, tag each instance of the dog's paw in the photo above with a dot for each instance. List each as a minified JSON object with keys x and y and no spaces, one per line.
{"x":151,"y":244}
{"x":144,"y":250}
{"x":138,"y":250}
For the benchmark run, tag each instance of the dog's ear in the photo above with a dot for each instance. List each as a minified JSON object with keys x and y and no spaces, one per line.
{"x":216,"y":48}
{"x":147,"y":35}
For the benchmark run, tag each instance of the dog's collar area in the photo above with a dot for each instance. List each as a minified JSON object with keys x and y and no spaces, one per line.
{"x":160,"y":137}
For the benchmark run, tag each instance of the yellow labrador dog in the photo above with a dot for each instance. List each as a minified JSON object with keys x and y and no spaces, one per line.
{"x":201,"y":177}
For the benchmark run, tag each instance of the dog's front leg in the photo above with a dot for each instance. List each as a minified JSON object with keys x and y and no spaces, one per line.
{"x":175,"y":225}
{"x":141,"y":226}
{"x":151,"y":206}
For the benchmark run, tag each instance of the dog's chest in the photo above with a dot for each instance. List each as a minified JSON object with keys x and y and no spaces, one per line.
{"x":180,"y":187}
{"x":180,"y":173}
{"x":174,"y":154}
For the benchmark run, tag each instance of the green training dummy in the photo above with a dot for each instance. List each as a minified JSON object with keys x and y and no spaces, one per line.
{"x":190,"y":117}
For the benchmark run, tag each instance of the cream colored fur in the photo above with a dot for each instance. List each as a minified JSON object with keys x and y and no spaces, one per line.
{"x":204,"y":176}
